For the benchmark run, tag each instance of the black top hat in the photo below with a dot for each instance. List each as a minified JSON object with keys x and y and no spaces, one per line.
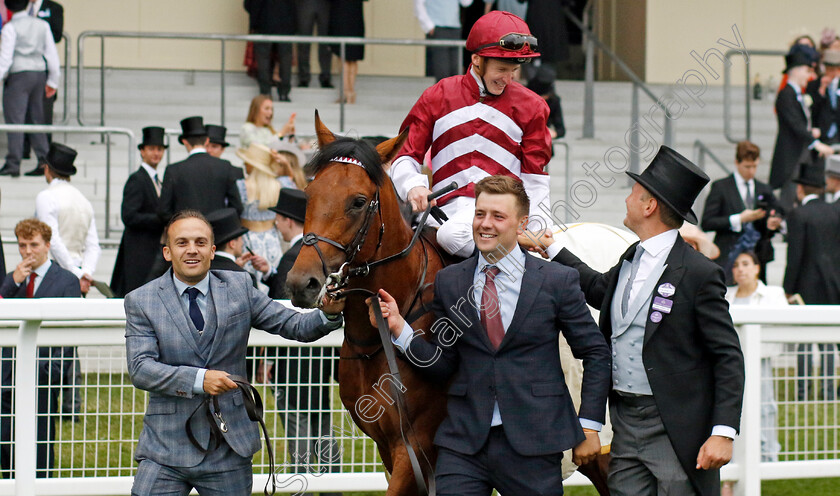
{"x":226,"y":225}
{"x":809,"y":174}
{"x":543,"y":81}
{"x":153,"y":135}
{"x":800,"y":55}
{"x":674,"y":180}
{"x":192,"y":126}
{"x":292,"y":204}
{"x":60,"y":159}
{"x":216,"y":134}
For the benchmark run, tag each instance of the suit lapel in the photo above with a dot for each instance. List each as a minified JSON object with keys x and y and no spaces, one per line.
{"x":218,"y":288}
{"x":672,"y":275}
{"x":735,"y":195}
{"x":172,"y":302}
{"x":46,"y":283}
{"x":148,"y":185}
{"x":532,"y":281}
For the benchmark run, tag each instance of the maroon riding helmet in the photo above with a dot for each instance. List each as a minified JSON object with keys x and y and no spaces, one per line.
{"x":502,"y":35}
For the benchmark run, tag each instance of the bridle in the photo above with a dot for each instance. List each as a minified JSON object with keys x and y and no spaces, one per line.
{"x":336,"y":282}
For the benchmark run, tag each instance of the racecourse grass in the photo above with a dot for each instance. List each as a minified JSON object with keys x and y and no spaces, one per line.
{"x":101,"y":443}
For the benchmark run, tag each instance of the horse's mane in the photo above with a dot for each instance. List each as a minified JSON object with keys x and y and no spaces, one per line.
{"x":360,"y":150}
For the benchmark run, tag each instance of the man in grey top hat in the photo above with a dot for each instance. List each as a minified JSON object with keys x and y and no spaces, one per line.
{"x":678,"y":370}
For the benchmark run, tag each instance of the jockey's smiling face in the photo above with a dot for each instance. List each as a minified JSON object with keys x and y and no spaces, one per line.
{"x":495,"y":73}
{"x":497,"y":223}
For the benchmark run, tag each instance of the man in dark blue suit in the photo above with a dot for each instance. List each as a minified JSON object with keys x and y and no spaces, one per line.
{"x":35,"y":277}
{"x":509,"y":414}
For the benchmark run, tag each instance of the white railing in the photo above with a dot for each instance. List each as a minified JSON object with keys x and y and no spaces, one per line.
{"x":95,"y":455}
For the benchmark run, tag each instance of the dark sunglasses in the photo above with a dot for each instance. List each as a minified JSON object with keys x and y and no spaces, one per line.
{"x":514,"y":42}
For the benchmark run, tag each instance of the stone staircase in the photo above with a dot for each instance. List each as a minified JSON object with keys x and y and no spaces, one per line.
{"x":138,"y":98}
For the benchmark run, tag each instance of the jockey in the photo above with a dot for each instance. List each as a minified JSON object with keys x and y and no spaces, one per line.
{"x":478,"y":124}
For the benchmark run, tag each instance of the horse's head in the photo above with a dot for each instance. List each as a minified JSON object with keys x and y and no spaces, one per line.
{"x":342,"y":208}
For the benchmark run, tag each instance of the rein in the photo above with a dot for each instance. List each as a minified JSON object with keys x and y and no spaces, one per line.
{"x":402,"y":408}
{"x":253,"y":406}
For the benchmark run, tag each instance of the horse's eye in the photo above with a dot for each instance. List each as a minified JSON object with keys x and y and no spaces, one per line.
{"x":359,"y":202}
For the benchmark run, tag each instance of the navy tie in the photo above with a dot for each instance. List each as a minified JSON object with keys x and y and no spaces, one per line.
{"x":195,"y":312}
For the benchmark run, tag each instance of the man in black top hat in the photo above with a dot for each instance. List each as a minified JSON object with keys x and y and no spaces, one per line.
{"x":290,"y":213}
{"x":813,"y":258}
{"x":678,"y":370}
{"x":200,"y":182}
{"x":75,"y":245}
{"x":796,"y":133}
{"x":227,"y":233}
{"x":295,"y":368}
{"x":216,"y":146}
{"x":140,"y":242}
{"x":543,"y":84}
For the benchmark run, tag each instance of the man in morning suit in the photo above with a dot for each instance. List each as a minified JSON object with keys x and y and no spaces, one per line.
{"x":200,"y":182}
{"x":742,"y":212}
{"x":140,"y":242}
{"x":795,"y":134}
{"x":53,"y":13}
{"x":227,"y":231}
{"x":216,"y":145}
{"x":36,"y":276}
{"x":304,"y":404}
{"x":811,"y":271}
{"x":678,"y":370}
{"x":509,"y":416}
{"x":186,"y":333}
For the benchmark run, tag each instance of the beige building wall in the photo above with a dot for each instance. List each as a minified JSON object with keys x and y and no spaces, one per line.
{"x":676,"y":27}
{"x":383,"y":19}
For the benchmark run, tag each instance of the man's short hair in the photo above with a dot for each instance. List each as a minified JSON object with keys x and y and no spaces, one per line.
{"x":196,"y":140}
{"x":187,"y":214}
{"x":28,"y":228}
{"x":747,"y":150}
{"x":812,"y":190}
{"x":505,"y":185}
{"x":16,"y":5}
{"x":667,"y":215}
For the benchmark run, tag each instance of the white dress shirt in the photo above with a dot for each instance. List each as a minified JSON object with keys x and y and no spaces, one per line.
{"x":40,"y":272}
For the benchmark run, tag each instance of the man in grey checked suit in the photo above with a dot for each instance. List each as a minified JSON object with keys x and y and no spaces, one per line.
{"x":186,"y":332}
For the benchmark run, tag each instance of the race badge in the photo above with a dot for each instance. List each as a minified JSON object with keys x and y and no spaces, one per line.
{"x":667,"y":290}
{"x":662,"y":304}
{"x":656,"y":317}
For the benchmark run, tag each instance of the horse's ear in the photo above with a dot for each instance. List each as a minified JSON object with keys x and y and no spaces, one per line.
{"x":389,"y":149}
{"x":325,"y":136}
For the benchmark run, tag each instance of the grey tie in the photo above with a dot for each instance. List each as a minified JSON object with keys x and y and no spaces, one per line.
{"x":748,"y":201}
{"x":634,"y":268}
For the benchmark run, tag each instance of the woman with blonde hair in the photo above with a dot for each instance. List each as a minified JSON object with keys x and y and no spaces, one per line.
{"x":259,"y":191}
{"x":258,"y":128}
{"x":289,"y":161}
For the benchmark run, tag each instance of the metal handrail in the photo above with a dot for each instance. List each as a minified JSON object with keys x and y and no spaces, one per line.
{"x":65,"y":117}
{"x":107,"y":131}
{"x":342,"y":41}
{"x":591,"y":42}
{"x":727,"y":114}
{"x":700,"y":153}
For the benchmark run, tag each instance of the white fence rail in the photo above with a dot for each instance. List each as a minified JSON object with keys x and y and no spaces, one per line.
{"x":94,"y":456}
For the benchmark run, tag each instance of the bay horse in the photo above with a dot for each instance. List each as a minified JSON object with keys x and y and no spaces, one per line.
{"x":354,"y":219}
{"x":352,"y":202}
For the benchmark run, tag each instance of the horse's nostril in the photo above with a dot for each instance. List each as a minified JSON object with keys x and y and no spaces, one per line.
{"x":313,"y":284}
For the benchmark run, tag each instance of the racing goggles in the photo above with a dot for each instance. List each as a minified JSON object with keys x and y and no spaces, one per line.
{"x":514,"y":42}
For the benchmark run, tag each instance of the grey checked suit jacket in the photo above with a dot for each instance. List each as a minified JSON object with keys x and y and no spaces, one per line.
{"x":164,"y":357}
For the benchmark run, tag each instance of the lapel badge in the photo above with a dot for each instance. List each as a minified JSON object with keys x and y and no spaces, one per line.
{"x":667,"y":290}
{"x":662,"y":304}
{"x":656,"y":317}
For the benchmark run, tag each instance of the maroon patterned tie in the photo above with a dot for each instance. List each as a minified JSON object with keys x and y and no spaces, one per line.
{"x":492,"y":322}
